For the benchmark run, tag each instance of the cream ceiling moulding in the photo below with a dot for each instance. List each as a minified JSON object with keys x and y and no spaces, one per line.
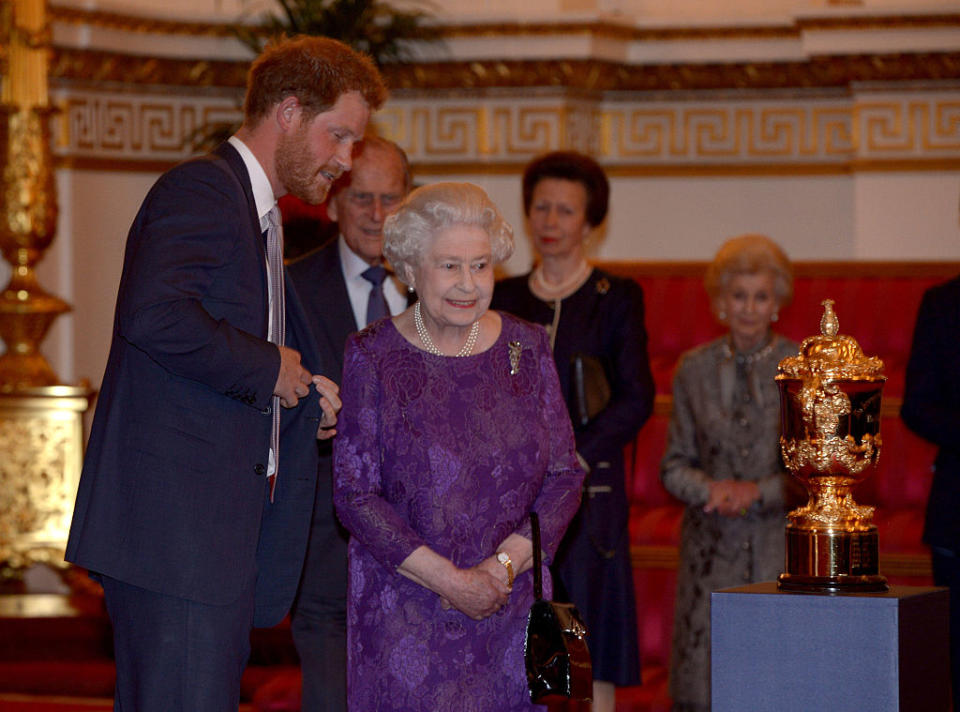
{"x":618,"y":30}
{"x":135,"y":23}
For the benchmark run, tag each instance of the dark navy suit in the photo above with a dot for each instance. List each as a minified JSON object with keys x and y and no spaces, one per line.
{"x":931,"y":408}
{"x":172,"y":494}
{"x":318,"y":279}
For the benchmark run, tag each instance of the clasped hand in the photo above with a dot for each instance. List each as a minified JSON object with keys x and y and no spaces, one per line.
{"x":293,"y":383}
{"x":731,"y":498}
{"x":478,"y":591}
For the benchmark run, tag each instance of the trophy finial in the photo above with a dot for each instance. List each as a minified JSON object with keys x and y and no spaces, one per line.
{"x":829,"y":324}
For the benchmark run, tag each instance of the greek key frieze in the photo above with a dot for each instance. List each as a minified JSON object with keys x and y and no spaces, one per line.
{"x":133,"y":128}
{"x":908,"y":128}
{"x":727,"y":133}
{"x":463,"y":131}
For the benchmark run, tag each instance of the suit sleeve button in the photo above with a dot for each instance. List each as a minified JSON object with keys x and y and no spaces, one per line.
{"x":260,"y":469}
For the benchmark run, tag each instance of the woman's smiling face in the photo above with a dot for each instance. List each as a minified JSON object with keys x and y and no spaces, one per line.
{"x":749,"y":302}
{"x":454,"y":278}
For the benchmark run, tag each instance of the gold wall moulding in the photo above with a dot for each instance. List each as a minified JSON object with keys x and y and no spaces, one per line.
{"x":41,"y":452}
{"x":590,"y":75}
{"x":89,"y":66}
{"x":603,"y":76}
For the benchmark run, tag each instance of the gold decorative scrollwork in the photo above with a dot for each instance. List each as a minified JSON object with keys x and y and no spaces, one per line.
{"x":829,"y":442}
{"x":41,"y":446}
{"x":28,"y":199}
{"x":572,"y":75}
{"x":822,"y":454}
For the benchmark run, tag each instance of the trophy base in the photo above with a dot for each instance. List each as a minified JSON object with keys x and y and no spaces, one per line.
{"x":831,"y":561}
{"x":832,"y":584}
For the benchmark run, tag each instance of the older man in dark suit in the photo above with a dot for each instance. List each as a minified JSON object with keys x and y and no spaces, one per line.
{"x":343,"y":286}
{"x":195,"y":498}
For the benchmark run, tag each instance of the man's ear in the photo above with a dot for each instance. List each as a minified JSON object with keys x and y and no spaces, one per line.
{"x":288,"y":113}
{"x":332,"y":212}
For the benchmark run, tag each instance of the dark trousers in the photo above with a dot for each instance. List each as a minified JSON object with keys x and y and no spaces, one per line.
{"x":946,"y":572}
{"x":175,"y":655}
{"x":319,"y":620}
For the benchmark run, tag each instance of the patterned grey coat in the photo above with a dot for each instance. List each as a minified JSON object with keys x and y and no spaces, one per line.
{"x":725,"y":425}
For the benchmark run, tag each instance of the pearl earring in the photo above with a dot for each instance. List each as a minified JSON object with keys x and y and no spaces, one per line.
{"x":410,"y":289}
{"x":774,"y":317}
{"x":722,"y":315}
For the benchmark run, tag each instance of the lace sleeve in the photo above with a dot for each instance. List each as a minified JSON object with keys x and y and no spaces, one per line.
{"x":357,"y":457}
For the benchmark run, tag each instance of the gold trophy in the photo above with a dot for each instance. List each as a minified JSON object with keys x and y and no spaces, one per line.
{"x":830,"y":438}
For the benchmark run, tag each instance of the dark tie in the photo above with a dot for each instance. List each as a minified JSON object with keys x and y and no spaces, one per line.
{"x":277,"y":321}
{"x":377,"y":303}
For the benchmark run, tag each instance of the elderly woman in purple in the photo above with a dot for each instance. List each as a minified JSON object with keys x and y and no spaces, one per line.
{"x":452,"y":431}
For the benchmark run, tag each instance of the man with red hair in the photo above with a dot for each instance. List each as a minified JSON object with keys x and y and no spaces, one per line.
{"x":198,"y":483}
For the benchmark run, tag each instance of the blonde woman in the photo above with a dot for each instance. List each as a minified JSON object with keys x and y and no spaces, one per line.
{"x":723,"y":458}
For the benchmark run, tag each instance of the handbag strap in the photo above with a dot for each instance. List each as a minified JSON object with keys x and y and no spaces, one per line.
{"x":537,"y":573}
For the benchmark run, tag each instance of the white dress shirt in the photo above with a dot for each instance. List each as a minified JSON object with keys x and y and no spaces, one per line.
{"x":264,"y":199}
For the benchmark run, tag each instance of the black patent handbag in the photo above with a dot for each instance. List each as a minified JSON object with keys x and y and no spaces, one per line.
{"x":555,"y":649}
{"x":590,"y":387}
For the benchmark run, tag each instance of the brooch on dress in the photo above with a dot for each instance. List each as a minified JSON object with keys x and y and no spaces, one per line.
{"x":515,"y":350}
{"x":603,"y":285}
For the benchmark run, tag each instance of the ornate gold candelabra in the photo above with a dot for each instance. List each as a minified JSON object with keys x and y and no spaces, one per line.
{"x":830,"y":439}
{"x":41,"y":432}
{"x":28,"y":207}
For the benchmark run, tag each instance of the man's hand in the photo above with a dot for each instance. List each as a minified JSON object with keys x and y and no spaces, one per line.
{"x":293,"y":380}
{"x":330,"y":405}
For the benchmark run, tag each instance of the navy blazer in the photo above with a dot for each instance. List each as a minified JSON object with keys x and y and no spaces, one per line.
{"x":318,"y":279}
{"x":931,"y":405}
{"x":171,"y":497}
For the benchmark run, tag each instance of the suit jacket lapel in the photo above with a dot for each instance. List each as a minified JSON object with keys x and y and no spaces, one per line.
{"x":234,"y":162}
{"x":232,"y":157}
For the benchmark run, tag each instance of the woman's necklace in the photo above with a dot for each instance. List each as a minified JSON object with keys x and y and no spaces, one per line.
{"x":748,"y":359}
{"x":465,"y":350}
{"x":549,"y":290}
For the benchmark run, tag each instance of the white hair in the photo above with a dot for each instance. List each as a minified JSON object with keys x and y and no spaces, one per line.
{"x":407,"y":233}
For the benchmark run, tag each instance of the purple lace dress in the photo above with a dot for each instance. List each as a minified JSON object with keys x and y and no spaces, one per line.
{"x":451,"y":453}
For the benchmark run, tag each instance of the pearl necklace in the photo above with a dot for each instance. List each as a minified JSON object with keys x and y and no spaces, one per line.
{"x":562,"y":289}
{"x":465,"y":350}
{"x":730,"y":352}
